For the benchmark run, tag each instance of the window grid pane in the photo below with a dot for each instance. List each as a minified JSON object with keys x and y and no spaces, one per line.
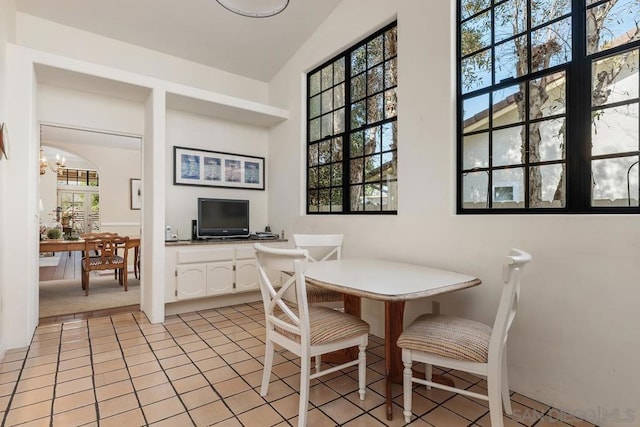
{"x":530,"y":137}
{"x":352,"y":129}
{"x":504,"y":88}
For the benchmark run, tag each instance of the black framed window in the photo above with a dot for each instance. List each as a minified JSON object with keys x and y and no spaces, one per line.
{"x":352,"y":129}
{"x":548,"y":99}
{"x":78,"y":177}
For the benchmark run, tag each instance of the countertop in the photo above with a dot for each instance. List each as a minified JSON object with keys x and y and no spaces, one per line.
{"x":232,"y":241}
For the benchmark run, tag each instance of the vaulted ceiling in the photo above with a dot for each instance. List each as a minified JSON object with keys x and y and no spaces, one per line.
{"x":201,"y":31}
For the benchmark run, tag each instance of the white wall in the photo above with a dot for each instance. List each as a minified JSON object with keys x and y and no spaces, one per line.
{"x":199,"y":132}
{"x":51,"y":37}
{"x":575,"y":343}
{"x":7,"y":34}
{"x":88,"y":110}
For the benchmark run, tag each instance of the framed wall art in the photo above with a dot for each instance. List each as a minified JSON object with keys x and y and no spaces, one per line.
{"x":217,"y":169}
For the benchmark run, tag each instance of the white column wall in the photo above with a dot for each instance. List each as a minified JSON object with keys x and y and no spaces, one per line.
{"x":574,"y":344}
{"x":7,"y":34}
{"x":153,"y":207}
{"x":21,"y":227}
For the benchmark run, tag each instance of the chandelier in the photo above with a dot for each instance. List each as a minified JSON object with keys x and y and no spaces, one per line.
{"x":255,"y":8}
{"x":44,"y":164}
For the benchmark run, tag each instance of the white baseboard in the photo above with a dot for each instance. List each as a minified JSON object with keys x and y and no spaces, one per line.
{"x":200,"y":304}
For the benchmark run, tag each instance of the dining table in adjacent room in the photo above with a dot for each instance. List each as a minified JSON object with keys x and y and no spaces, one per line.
{"x":392,"y":282}
{"x":61,"y":245}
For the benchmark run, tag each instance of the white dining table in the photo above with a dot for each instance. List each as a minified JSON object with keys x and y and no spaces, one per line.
{"x":392,"y":282}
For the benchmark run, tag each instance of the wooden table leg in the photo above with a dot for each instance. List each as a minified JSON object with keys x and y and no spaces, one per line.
{"x":393,"y":315}
{"x":352,"y":305}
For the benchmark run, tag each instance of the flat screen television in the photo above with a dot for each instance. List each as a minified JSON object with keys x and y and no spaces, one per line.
{"x":219,"y":218}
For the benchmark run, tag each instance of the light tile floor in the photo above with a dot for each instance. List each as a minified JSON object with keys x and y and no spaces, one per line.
{"x":204,"y":368}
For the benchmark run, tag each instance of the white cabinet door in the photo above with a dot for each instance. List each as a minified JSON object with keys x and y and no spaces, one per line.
{"x":170,"y":289}
{"x":246,"y":275}
{"x":190,"y":281}
{"x":219,"y":277}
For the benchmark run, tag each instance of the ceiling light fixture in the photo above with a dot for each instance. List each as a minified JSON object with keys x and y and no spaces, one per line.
{"x":44,"y":164}
{"x":255,"y":8}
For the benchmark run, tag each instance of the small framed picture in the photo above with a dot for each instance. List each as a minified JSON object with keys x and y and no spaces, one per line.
{"x":217,"y":169}
{"x":136,"y":194}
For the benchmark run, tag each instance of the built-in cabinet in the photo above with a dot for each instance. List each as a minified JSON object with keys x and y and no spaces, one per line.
{"x":207,"y":270}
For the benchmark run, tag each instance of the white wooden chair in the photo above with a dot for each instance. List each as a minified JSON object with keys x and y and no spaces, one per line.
{"x":466,"y":345}
{"x":304,"y":330}
{"x":321,"y":247}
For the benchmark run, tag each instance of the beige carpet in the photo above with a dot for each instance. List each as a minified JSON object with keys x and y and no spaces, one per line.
{"x":49,"y":261}
{"x":58,"y":297}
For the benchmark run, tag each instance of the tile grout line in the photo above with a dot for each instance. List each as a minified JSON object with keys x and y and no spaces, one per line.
{"x":321,"y":381}
{"x":93,"y":372}
{"x":124,"y":358}
{"x":234,"y":415}
{"x":15,"y":387}
{"x":186,"y":410}
{"x":266,"y":402}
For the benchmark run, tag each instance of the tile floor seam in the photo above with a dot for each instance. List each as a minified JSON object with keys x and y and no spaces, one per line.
{"x":55,"y":382}
{"x":128,"y":373}
{"x":539,"y":420}
{"x":266,"y":402}
{"x":17,"y":382}
{"x":240,"y":376}
{"x":323,"y":380}
{"x":200,"y":371}
{"x":186,"y":410}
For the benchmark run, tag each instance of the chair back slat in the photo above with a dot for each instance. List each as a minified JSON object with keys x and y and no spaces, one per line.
{"x":292,"y":262}
{"x":512,"y":269}
{"x":321,"y":247}
{"x":107,"y":245}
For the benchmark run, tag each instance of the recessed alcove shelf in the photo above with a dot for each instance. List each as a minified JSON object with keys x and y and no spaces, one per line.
{"x":84,"y":82}
{"x":226,"y":107}
{"x":178,"y":97}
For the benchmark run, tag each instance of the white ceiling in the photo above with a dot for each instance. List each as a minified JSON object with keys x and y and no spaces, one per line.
{"x":198,"y":30}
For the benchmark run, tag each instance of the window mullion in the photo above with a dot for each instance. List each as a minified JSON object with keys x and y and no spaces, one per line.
{"x":578,"y":128}
{"x":346,"y":145}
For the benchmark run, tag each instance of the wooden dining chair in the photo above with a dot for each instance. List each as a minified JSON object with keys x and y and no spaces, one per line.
{"x":304,"y":330}
{"x":466,"y":345}
{"x":106,"y":245}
